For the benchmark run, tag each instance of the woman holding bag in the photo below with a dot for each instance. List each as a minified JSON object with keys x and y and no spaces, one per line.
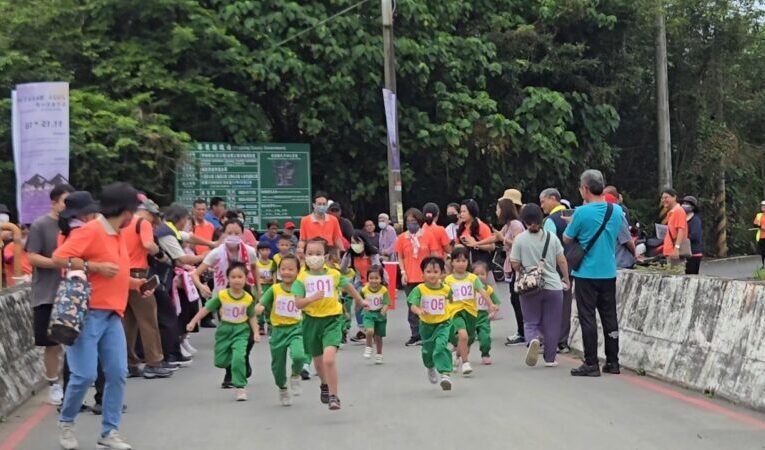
{"x":536,"y":256}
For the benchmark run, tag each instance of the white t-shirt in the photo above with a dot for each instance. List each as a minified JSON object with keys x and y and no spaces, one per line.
{"x":216,"y":255}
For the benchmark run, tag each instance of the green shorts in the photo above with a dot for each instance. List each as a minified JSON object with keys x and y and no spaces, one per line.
{"x":320,"y":333}
{"x":375,"y":320}
{"x":463,"y":320}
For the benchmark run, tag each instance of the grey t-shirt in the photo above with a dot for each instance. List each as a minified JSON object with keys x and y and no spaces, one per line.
{"x":527,"y":249}
{"x":43,"y":240}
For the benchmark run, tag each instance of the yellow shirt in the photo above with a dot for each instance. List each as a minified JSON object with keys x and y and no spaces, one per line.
{"x":230,"y":309}
{"x":436,"y":304}
{"x":266,"y":272}
{"x":464,"y":291}
{"x":328,"y":281}
{"x":758,"y":222}
{"x":281,"y":304}
{"x":377,"y":299}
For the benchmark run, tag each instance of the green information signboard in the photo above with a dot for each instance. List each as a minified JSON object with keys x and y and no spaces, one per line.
{"x":266,"y":181}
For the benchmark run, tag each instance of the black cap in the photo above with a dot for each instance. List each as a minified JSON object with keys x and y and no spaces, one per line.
{"x":79,"y":203}
{"x":691,"y":200}
{"x":117,"y":198}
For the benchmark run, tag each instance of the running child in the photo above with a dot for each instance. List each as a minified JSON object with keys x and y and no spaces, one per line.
{"x":266,"y":276}
{"x":236,"y":307}
{"x":465,"y":287}
{"x":279,"y":302}
{"x":322,"y":321}
{"x":376,"y":314}
{"x":346,"y":300}
{"x":483,"y":324}
{"x":432,"y":302}
{"x":285,"y":246}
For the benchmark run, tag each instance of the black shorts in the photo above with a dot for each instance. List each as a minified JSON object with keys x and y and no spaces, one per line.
{"x":41,"y":319}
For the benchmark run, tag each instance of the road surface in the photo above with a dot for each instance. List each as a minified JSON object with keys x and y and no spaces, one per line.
{"x":506,"y":405}
{"x":740,"y":267}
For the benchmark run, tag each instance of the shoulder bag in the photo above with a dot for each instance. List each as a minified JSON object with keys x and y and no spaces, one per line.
{"x":70,"y":306}
{"x":530,"y":280}
{"x":576,"y":253}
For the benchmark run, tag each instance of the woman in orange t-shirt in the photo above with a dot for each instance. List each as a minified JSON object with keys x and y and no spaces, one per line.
{"x":677,"y":226}
{"x":412,"y":247}
{"x":437,"y":232}
{"x":472,"y":230}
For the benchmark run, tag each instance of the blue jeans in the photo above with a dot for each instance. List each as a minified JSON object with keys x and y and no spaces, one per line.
{"x":102,"y":339}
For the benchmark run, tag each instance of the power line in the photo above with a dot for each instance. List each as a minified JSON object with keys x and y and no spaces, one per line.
{"x":322,"y":22}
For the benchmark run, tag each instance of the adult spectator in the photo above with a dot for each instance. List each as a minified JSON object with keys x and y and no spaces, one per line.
{"x":346,"y":226}
{"x":271,"y":237}
{"x":200,"y":227}
{"x":370,"y":232}
{"x":217,"y":211}
{"x":360,"y":257}
{"x":695,"y":231}
{"x":248,"y":237}
{"x":626,"y":254}
{"x":542,"y":309}
{"x":98,"y":247}
{"x":319,"y":224}
{"x":472,"y":231}
{"x":677,"y":226}
{"x":412,"y":247}
{"x":759,"y":222}
{"x":387,"y":238}
{"x":141,"y":312}
{"x":9,"y":252}
{"x":437,"y":232}
{"x":452,"y":220}
{"x":619,"y":200}
{"x":596,"y":275}
{"x":289,"y":232}
{"x":42,"y":241}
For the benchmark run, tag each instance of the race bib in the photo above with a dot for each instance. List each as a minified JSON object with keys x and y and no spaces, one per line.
{"x":234,"y":313}
{"x":375,"y":302}
{"x":462,"y":291}
{"x":286,"y":307}
{"x":433,"y":305}
{"x":320,"y":283}
{"x":482,"y":305}
{"x":265,"y":274}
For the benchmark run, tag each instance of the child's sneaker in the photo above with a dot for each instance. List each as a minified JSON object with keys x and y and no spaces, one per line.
{"x":334,"y":403}
{"x":446,"y":382}
{"x":456,"y":360}
{"x":379,"y":358}
{"x":433,"y":375}
{"x":467,"y":369}
{"x":284,"y":397}
{"x":295,"y":386}
{"x":324,"y":396}
{"x":241,"y":394}
{"x":486,"y":361}
{"x":367,"y":352}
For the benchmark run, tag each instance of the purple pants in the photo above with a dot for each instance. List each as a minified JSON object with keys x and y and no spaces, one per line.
{"x":541,"y":317}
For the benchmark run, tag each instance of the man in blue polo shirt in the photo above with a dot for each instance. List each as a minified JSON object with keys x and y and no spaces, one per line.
{"x":596,"y":276}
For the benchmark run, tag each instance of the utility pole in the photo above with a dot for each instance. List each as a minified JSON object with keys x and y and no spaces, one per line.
{"x":394,"y":160}
{"x":662,"y":101}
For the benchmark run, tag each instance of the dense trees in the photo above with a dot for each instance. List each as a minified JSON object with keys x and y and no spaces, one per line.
{"x":493,"y":93}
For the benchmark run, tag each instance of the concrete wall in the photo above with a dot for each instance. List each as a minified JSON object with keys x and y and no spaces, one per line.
{"x":21,"y":368}
{"x":699,"y":332}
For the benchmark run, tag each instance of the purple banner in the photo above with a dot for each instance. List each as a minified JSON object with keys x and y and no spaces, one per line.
{"x":389,"y":98}
{"x":40,"y":144}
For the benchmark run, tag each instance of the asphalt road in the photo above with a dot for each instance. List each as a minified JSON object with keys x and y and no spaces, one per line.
{"x":392,"y":406}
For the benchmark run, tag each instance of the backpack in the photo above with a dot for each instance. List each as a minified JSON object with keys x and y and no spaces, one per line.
{"x":530,"y":280}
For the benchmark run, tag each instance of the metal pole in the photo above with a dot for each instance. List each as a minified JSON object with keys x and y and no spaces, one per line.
{"x":662,"y":102}
{"x":394,"y":174}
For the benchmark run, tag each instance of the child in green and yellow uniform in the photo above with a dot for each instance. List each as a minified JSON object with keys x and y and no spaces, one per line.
{"x":483,"y":325}
{"x":465,"y":287}
{"x":236,"y":307}
{"x":376,"y":314}
{"x":322,"y":321}
{"x":265,"y":277}
{"x":284,"y":245}
{"x":432,"y":302}
{"x":279,"y":302}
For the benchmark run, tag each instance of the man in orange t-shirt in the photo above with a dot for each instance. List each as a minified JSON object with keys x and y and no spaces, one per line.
{"x":677,"y":226}
{"x":99,"y":248}
{"x":200,"y":227}
{"x":320,"y":224}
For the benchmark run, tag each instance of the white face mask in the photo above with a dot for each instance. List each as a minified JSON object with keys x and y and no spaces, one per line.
{"x":5,"y":218}
{"x":382,"y":225}
{"x":314,"y":262}
{"x":357,"y":248}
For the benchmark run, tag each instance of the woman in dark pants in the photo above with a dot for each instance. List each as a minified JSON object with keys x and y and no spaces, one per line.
{"x":691,"y":206}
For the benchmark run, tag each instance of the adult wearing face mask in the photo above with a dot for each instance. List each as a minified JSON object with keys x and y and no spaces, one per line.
{"x":387,"y":238}
{"x":319,"y":224}
{"x":361,"y":256}
{"x":412,"y":247}
{"x":691,"y":207}
{"x":452,"y":220}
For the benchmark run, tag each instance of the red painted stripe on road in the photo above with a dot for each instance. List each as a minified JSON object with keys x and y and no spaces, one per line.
{"x":26,"y":427}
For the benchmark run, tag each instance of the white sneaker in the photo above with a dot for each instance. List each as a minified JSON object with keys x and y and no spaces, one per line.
{"x":241,"y":394}
{"x":551,"y":364}
{"x":446,"y":382}
{"x":379,"y":358}
{"x":455,"y":360}
{"x":113,"y":441}
{"x":368,"y":352}
{"x":186,"y":344}
{"x":55,"y":394}
{"x":532,"y":353}
{"x":66,"y":437}
{"x":295,"y":386}
{"x":432,"y":375}
{"x":185,"y":353}
{"x":284,"y":397}
{"x":467,"y":369}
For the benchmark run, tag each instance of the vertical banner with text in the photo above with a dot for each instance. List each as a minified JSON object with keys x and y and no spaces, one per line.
{"x":40,"y":144}
{"x":389,"y":98}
